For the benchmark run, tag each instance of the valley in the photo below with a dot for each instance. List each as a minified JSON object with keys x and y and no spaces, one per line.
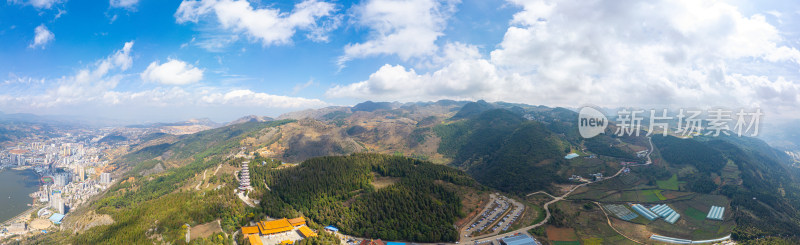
{"x":443,"y":172}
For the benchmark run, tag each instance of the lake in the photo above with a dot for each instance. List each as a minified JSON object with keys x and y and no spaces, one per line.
{"x":15,"y":186}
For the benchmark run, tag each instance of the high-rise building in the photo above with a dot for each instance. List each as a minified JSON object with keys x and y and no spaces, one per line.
{"x":59,"y":180}
{"x":65,"y":150}
{"x":56,"y":202}
{"x":20,"y":160}
{"x":81,"y":174}
{"x":105,"y":178}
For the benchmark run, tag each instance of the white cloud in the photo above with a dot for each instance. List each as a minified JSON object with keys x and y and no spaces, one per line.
{"x":176,"y":97}
{"x":88,"y":85}
{"x":42,"y":37}
{"x":611,"y":53}
{"x":406,"y":28}
{"x":92,"y":91}
{"x":13,"y":79}
{"x":173,"y":72}
{"x":299,"y":87}
{"x":40,"y":4}
{"x":775,"y":13}
{"x":123,"y":3}
{"x":245,"y":97}
{"x":270,"y":26}
{"x":59,"y":14}
{"x":461,"y":79}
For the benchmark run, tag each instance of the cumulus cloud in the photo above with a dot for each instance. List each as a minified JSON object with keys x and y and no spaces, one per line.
{"x":611,"y":53}
{"x":245,"y":97}
{"x":173,"y":72}
{"x":39,"y":4}
{"x":93,"y":90}
{"x":88,"y":84}
{"x":42,"y":37}
{"x":123,"y":3}
{"x":270,"y":26}
{"x":406,"y":28}
{"x":461,"y":79}
{"x":179,"y":103}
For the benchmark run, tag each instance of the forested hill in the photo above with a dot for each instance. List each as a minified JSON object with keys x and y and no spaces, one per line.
{"x":421,"y":204}
{"x":766,"y":200}
{"x":501,"y":149}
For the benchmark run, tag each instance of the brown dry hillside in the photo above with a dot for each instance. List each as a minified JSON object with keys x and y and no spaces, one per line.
{"x":403,"y":130}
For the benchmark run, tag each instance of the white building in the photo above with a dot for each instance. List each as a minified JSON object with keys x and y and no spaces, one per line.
{"x":105,"y":178}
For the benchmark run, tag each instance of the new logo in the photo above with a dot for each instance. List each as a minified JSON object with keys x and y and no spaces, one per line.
{"x":591,"y":122}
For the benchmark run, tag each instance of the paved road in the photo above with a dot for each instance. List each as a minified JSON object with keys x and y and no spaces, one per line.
{"x":546,"y":209}
{"x":463,"y":231}
{"x":650,"y":139}
{"x":556,"y":199}
{"x":481,"y":239}
{"x":524,"y":230}
{"x":201,"y":182}
{"x":540,"y":192}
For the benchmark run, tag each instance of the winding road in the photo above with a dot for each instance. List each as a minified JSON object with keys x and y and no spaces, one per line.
{"x":555,"y":199}
{"x":546,"y":209}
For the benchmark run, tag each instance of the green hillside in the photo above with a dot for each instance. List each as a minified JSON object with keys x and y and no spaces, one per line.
{"x":767,"y":203}
{"x":527,"y":160}
{"x":154,"y":206}
{"x":503,"y":150}
{"x":421,"y":206}
{"x":516,"y":149}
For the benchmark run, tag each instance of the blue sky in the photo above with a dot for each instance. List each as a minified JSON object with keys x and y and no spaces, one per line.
{"x":144,"y":60}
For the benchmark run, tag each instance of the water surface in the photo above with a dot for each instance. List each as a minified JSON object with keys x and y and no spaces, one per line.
{"x":15,"y":186}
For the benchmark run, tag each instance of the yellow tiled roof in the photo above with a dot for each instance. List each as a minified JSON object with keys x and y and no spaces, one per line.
{"x":306,"y":232}
{"x":249,"y":230}
{"x":274,"y":226}
{"x":297,"y":221}
{"x":255,"y":240}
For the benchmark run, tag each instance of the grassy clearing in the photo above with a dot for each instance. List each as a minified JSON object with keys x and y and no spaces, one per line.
{"x":695,"y":214}
{"x":540,"y":214}
{"x":659,"y":195}
{"x":649,"y":196}
{"x":533,"y":214}
{"x":630,"y":195}
{"x":585,"y":166}
{"x":593,"y":241}
{"x":383,"y":182}
{"x":205,"y":230}
{"x":670,"y":184}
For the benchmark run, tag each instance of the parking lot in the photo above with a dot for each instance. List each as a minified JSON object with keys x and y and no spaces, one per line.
{"x":497,"y":216}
